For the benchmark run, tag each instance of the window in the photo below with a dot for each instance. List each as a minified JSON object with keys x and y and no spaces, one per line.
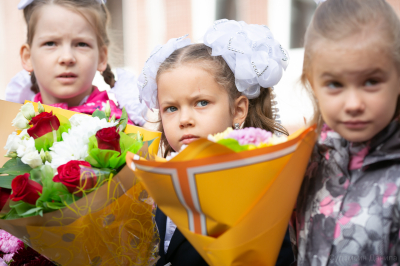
{"x":302,"y":12}
{"x":226,"y":9}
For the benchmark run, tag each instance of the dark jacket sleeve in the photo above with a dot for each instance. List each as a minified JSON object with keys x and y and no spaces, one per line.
{"x":285,"y":257}
{"x":180,"y":251}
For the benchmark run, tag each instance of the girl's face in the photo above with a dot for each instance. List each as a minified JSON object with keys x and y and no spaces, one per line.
{"x":64,"y":55}
{"x":357,"y":85}
{"x":193,"y":105}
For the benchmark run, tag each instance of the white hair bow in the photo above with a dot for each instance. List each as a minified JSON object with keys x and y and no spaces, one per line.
{"x":319,"y":1}
{"x":147,"y":79}
{"x":24,"y":3}
{"x":252,"y":53}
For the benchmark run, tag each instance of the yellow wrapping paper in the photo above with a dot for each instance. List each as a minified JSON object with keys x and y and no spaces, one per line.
{"x":113,"y":225}
{"x":234,"y":208}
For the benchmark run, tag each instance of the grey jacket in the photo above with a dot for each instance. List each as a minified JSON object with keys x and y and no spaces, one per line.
{"x":348,"y":209}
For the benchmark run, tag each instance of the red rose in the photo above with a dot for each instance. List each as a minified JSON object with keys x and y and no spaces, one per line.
{"x":4,"y":196}
{"x":43,"y":123}
{"x":76,"y":175}
{"x":25,"y":189}
{"x":108,"y":139}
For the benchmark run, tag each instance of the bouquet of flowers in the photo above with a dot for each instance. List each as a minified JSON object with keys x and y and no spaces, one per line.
{"x":232,"y":194}
{"x":71,"y":198}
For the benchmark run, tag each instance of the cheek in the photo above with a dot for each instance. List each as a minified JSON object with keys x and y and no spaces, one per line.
{"x":328,"y":106}
{"x":169,"y":127}
{"x":384,"y":107}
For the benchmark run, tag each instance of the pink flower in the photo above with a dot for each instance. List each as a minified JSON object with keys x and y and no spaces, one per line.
{"x":250,"y":135}
{"x":9,"y":243}
{"x":3,"y":262}
{"x":7,"y":257}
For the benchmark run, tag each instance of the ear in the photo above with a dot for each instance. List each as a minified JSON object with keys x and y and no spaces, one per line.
{"x":241,"y":110}
{"x":26,"y":61}
{"x":103,"y":59}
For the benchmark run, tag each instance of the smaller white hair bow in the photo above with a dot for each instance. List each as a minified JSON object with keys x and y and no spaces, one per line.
{"x":319,"y":1}
{"x":147,"y":79}
{"x":24,"y":3}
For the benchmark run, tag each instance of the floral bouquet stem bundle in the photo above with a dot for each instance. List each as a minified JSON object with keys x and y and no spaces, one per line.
{"x":232,"y":195}
{"x":71,"y":197}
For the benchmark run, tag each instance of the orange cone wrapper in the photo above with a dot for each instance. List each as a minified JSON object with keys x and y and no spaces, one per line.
{"x":234,"y":208}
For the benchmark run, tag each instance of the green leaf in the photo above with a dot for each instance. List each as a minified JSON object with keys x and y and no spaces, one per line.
{"x":11,"y":215}
{"x":109,"y":158}
{"x":123,"y":121}
{"x":52,"y":191}
{"x":31,"y":212}
{"x":99,"y":114}
{"x":5,"y":181}
{"x":54,"y":205}
{"x":36,"y":175}
{"x":11,"y":169}
{"x":21,"y":207}
{"x":46,"y":141}
{"x":15,"y":166}
{"x":233,"y":145}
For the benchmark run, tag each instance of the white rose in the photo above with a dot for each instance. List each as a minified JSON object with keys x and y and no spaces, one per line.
{"x":20,"y":122}
{"x":79,"y":119}
{"x":28,"y":111}
{"x":26,"y":146}
{"x":32,"y":159}
{"x":13,"y":143}
{"x":24,"y":134}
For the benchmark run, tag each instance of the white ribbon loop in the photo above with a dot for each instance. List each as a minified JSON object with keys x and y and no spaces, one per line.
{"x":251,"y":52}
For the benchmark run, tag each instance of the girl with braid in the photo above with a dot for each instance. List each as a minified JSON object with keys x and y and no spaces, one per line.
{"x":67,"y":42}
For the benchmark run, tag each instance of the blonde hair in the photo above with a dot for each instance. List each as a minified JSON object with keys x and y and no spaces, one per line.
{"x":260,"y":113}
{"x":335,"y":20}
{"x":95,"y":13}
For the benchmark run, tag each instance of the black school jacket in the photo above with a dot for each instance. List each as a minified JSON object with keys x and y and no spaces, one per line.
{"x":182,"y":253}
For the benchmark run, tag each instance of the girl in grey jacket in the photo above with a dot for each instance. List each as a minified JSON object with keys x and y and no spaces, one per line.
{"x":348,"y":209}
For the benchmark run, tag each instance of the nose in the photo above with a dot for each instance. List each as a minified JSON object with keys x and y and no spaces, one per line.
{"x":67,"y":57}
{"x":354,"y":104}
{"x":186,"y":119}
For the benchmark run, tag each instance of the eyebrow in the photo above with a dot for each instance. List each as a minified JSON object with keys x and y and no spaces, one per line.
{"x":167,"y":103}
{"x":55,"y":36}
{"x":366,"y":72}
{"x":193,"y":97}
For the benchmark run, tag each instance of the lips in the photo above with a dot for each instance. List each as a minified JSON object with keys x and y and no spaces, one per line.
{"x":67,"y":78}
{"x":357,"y":124}
{"x":67,"y":75}
{"x":188,"y":138}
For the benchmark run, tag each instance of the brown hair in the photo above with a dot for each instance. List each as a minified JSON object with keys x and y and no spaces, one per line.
{"x":335,"y":20}
{"x":260,"y":112}
{"x":96,"y":14}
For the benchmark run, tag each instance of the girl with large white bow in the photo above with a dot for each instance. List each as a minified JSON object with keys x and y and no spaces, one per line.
{"x":202,"y":89}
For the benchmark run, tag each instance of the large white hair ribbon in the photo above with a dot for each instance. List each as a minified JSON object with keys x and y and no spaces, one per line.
{"x":252,"y":53}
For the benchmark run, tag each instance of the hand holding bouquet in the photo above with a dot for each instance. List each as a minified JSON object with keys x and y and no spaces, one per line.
{"x":231,"y":195}
{"x":71,"y":198}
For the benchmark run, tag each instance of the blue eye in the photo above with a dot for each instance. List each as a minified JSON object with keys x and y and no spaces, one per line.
{"x":371,"y":82}
{"x":334,"y":85}
{"x":171,"y":109}
{"x":202,"y":103}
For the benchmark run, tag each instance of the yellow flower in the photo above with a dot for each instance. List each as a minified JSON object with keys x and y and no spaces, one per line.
{"x":217,"y":137}
{"x":277,"y":140}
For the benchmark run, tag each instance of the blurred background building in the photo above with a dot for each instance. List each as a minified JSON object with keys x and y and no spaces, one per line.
{"x":139,"y":25}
